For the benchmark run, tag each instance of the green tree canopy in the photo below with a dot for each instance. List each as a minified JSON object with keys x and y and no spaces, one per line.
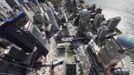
{"x":55,"y":2}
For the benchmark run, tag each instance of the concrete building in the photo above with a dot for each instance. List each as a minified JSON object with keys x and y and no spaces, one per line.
{"x":60,"y":50}
{"x":110,"y":54}
{"x":14,"y":61}
{"x":25,"y":35}
{"x":84,"y":21}
{"x":113,"y":22}
{"x":102,"y":32}
{"x":99,"y":18}
{"x":4,"y":9}
{"x":50,"y":11}
{"x":11,"y":3}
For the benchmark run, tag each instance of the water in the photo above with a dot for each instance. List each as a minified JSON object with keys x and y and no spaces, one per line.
{"x":122,"y":8}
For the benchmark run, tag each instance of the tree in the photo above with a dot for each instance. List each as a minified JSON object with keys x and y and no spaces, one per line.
{"x":55,"y":2}
{"x":82,"y":1}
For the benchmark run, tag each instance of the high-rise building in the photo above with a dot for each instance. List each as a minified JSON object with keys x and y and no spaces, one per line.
{"x":13,"y":60}
{"x":99,"y":18}
{"x":50,"y":11}
{"x":102,"y":32}
{"x":113,"y":22}
{"x":110,"y":53}
{"x":25,"y":35}
{"x":11,"y":3}
{"x":84,"y":21}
